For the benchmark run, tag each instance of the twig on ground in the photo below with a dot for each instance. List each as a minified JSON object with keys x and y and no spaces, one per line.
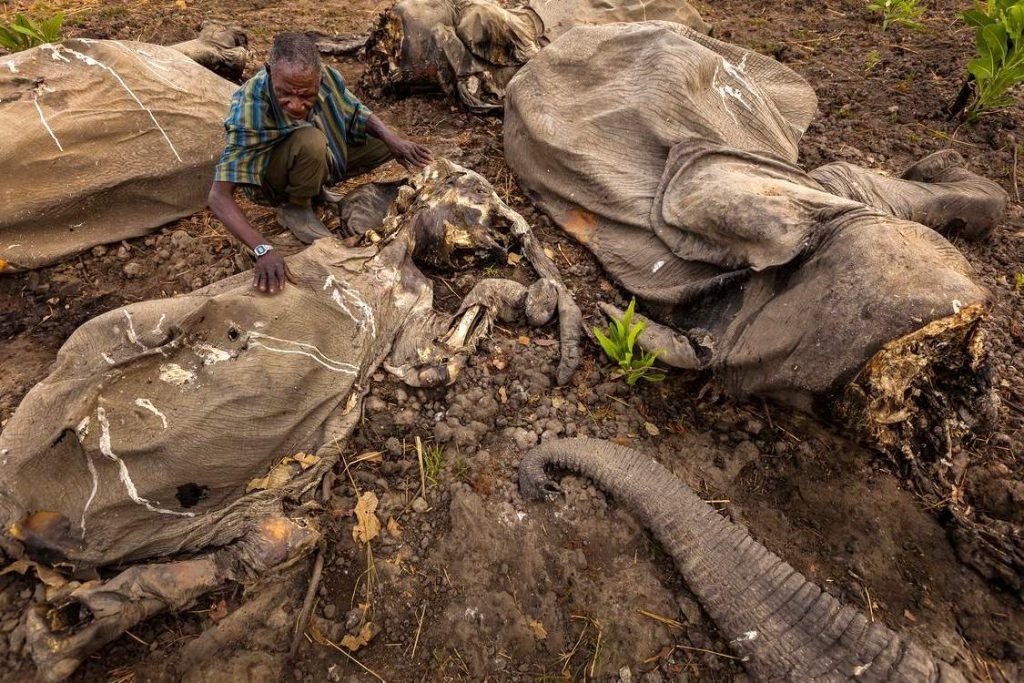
{"x":307,"y":602}
{"x":423,"y":475}
{"x":136,"y":638}
{"x":710,"y":652}
{"x":1016,"y":190}
{"x":419,"y":628}
{"x":356,"y":661}
{"x":871,"y":609}
{"x":664,"y":620}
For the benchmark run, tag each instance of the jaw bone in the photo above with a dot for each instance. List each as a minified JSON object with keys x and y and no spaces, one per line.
{"x":457,"y":220}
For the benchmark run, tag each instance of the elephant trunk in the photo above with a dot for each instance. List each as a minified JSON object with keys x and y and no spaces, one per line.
{"x":782,"y":625}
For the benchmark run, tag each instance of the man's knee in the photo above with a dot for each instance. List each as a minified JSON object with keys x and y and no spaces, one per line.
{"x":309,"y":142}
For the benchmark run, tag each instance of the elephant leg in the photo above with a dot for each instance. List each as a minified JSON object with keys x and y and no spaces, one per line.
{"x":62,"y":633}
{"x":937,"y":191}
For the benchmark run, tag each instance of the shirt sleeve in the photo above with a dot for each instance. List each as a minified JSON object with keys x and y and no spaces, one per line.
{"x":239,"y":163}
{"x":356,"y":113}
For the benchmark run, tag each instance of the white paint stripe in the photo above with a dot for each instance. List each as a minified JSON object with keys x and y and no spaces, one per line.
{"x":10,"y":65}
{"x":94,"y":62}
{"x":110,"y":361}
{"x":326,"y":362}
{"x":148,"y":405}
{"x":42,"y":119}
{"x":132,"y":337}
{"x":159,"y":324}
{"x":107,"y":449}
{"x":95,"y":487}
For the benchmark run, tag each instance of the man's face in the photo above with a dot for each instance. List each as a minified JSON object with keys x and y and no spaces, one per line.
{"x":296,"y":88}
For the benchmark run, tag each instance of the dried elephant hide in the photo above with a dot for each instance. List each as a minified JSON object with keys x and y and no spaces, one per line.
{"x":201,"y":425}
{"x":472,"y":48}
{"x":110,"y":140}
{"x":672,"y":157}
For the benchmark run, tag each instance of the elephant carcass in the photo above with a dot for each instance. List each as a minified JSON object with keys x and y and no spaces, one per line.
{"x":783,"y":627}
{"x":672,"y":157}
{"x":220,"y":48}
{"x":104,"y":140}
{"x":471,"y":48}
{"x":201,"y":425}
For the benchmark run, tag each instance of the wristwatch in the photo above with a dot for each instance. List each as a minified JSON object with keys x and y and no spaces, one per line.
{"x":261,"y":249}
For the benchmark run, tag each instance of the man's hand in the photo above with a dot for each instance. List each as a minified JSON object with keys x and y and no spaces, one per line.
{"x":408,"y":153}
{"x":270,"y":273}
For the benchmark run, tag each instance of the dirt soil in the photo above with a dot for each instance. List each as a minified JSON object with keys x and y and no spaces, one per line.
{"x":473,"y":583}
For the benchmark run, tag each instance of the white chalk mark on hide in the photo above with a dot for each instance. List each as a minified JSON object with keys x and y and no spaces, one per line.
{"x":148,"y":405}
{"x":10,"y":65}
{"x":107,"y":449}
{"x":657,"y":266}
{"x":746,"y":637}
{"x":145,"y":62}
{"x":94,"y":62}
{"x":210,"y":354}
{"x":95,"y":486}
{"x":132,"y":337}
{"x":172,"y":373}
{"x":82,"y":430}
{"x":342,"y":292}
{"x":108,"y":359}
{"x":858,"y":670}
{"x":159,"y":324}
{"x":46,"y":125}
{"x":313,"y":352}
{"x":55,"y":54}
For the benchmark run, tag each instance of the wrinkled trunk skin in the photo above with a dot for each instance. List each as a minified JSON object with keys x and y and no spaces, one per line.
{"x":783,"y":626}
{"x":220,"y":48}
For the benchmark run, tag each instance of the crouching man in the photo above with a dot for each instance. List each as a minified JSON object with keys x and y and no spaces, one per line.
{"x":292,"y":129}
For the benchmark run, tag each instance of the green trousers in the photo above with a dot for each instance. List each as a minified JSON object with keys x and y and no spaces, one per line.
{"x":298,"y":165}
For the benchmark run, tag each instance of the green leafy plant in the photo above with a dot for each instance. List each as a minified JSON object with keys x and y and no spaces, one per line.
{"x":999,"y":66}
{"x":619,"y":342}
{"x":21,"y":33}
{"x":906,"y":13}
{"x":1018,"y":283}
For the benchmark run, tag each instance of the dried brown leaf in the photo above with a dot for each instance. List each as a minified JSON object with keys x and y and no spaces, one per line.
{"x":367,"y":525}
{"x":365,"y":635}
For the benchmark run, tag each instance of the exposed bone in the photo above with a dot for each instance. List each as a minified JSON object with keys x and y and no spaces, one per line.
{"x":59,"y":640}
{"x":220,"y":48}
{"x":915,"y":400}
{"x":338,"y":46}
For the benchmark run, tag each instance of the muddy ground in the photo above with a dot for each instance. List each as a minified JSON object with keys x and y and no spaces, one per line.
{"x":476,"y":584}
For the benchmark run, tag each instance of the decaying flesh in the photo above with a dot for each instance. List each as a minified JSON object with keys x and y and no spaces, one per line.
{"x":113,"y":460}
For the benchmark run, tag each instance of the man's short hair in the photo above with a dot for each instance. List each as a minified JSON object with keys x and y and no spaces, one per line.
{"x":296,"y":49}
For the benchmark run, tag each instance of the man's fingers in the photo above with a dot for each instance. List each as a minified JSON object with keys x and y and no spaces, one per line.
{"x":261,"y":280}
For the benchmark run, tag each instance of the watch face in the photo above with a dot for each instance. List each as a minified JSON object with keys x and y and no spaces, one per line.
{"x":261,"y":249}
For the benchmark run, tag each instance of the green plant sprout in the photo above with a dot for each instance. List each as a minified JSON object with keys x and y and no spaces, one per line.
{"x":21,"y":33}
{"x":872,"y":61}
{"x":1018,"y":283}
{"x":999,"y":65}
{"x":906,"y":13}
{"x":619,"y":342}
{"x":433,"y":463}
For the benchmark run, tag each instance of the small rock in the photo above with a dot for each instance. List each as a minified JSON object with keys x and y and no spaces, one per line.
{"x":625,"y":675}
{"x":420,"y":505}
{"x":180,"y":238}
{"x":123,"y":253}
{"x":99,"y":251}
{"x":329,"y":611}
{"x":133,"y":269}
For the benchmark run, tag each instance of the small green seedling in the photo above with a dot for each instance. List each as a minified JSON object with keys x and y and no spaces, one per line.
{"x":873,"y":60}
{"x":433,"y":463}
{"x":619,"y":342}
{"x":1018,"y":283}
{"x":21,"y":33}
{"x":906,"y":13}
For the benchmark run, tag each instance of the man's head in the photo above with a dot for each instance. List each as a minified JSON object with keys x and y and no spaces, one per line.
{"x":295,"y":71}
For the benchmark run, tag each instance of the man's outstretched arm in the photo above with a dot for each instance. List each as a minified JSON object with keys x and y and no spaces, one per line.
{"x":270,"y":272}
{"x":406,"y":152}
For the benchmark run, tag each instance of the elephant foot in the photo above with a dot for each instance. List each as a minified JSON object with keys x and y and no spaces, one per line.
{"x":63,"y":632}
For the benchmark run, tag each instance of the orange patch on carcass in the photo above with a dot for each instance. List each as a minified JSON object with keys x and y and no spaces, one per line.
{"x":581,"y":224}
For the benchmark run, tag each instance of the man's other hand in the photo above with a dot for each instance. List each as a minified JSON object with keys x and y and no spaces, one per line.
{"x":409,"y":153}
{"x":270,"y":273}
